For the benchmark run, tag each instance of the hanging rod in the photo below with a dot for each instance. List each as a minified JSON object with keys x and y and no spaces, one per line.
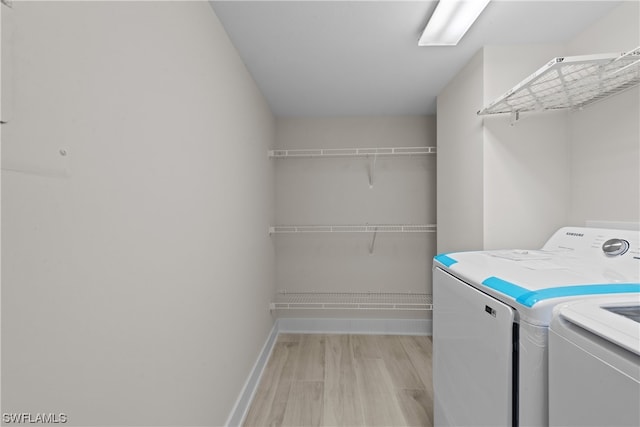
{"x":351,"y":152}
{"x":367,"y":228}
{"x":352,"y":301}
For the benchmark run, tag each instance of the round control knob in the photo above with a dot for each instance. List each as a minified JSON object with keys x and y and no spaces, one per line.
{"x":614,"y":247}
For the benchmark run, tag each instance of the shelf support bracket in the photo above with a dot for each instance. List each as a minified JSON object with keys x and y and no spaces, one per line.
{"x":372,"y":169}
{"x":515,"y":116}
{"x":373,"y":241}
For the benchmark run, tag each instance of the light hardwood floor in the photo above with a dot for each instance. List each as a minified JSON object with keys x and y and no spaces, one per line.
{"x":345,"y":380}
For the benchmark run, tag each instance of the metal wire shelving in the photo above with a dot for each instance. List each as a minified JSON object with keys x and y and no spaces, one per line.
{"x":351,"y":152}
{"x":366,"y":228}
{"x":371,"y":154}
{"x":352,"y":301}
{"x":570,"y":83}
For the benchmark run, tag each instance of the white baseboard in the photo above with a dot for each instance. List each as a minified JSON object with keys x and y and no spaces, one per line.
{"x":239,"y":411}
{"x":318,"y":326}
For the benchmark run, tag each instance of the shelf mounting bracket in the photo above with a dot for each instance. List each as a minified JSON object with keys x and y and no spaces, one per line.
{"x":372,"y":169}
{"x":515,"y":116}
{"x":373,"y":241}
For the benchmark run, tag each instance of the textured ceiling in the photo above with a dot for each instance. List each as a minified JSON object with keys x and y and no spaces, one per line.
{"x":337,"y":58}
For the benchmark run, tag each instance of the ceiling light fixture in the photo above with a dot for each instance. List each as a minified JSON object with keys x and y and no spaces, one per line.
{"x":450,"y":21}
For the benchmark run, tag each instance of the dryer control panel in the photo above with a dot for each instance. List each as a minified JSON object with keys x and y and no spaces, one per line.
{"x":600,"y":243}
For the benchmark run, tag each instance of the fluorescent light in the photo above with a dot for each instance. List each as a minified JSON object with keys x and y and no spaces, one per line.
{"x":450,"y":21}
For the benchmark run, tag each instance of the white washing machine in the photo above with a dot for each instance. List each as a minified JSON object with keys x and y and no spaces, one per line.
{"x":594,"y":363}
{"x":491,"y":316}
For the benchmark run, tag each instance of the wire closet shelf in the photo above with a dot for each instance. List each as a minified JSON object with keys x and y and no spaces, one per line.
{"x":570,"y":83}
{"x":367,"y":228}
{"x":353,"y":301}
{"x":351,"y":152}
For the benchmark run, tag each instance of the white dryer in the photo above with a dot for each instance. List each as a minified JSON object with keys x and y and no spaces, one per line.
{"x":491,"y":316}
{"x":594,"y":363}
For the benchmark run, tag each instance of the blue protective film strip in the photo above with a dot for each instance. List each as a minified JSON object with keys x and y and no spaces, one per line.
{"x":530,"y":298}
{"x":445,"y":260}
{"x":507,"y":288}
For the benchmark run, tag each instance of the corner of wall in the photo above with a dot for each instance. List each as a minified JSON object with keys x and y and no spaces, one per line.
{"x":460,"y":165}
{"x":243,"y":402}
{"x":525,"y":163}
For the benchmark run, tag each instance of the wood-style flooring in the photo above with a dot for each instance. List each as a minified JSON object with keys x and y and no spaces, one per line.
{"x":345,"y":380}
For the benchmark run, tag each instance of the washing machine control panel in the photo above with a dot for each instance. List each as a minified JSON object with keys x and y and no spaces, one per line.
{"x":615,"y":247}
{"x":598,"y":244}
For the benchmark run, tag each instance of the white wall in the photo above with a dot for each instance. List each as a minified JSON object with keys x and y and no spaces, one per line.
{"x":336,"y":191}
{"x":136,"y":270}
{"x":498,"y":185}
{"x":605,"y":137}
{"x":526,"y":177}
{"x":460,"y":203}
